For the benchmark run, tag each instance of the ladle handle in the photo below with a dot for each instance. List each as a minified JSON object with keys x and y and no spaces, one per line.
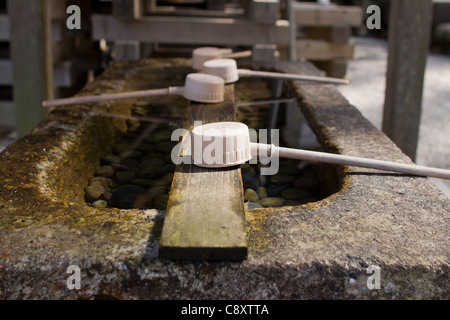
{"x":299,"y":154}
{"x":241,"y":54}
{"x":278,"y":75}
{"x":113,"y":96}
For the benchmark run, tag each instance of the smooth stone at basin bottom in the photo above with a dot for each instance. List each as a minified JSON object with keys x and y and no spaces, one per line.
{"x":272,"y":202}
{"x":251,"y":195}
{"x":262,"y":193}
{"x":93,"y":192}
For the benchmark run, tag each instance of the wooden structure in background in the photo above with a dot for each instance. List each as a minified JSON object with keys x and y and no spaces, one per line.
{"x":322,"y":34}
{"x":408,"y":50}
{"x":220,"y":23}
{"x":46,"y":60}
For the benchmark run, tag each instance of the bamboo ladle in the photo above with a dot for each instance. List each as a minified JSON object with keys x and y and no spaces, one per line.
{"x":198,"y":87}
{"x":227,"y":70}
{"x":225,"y":144}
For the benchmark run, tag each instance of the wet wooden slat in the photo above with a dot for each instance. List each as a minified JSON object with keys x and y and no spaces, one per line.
{"x":205,"y":213}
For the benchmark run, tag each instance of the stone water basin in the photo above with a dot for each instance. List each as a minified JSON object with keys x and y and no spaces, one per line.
{"x":321,"y":249}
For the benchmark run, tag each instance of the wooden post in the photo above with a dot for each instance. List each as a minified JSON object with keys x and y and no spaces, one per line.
{"x":409,"y":34}
{"x":30,"y":53}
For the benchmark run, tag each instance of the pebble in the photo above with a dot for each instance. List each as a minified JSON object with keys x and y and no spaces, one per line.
{"x":252,"y":205}
{"x":93,"y":192}
{"x":251,"y":195}
{"x":118,"y":166}
{"x":292,"y":194}
{"x":389,"y":288}
{"x":262,"y":193}
{"x":105,"y":171}
{"x":306,"y":183}
{"x":105,"y":182}
{"x":146,"y":200}
{"x":272,"y":202}
{"x":110,"y":158}
{"x":100,"y":204}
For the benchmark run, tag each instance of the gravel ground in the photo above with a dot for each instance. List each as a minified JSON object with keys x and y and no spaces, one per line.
{"x":367,"y":73}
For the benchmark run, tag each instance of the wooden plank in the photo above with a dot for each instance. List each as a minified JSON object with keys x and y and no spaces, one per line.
{"x":189,"y":30}
{"x":205,"y":213}
{"x":313,"y":14}
{"x":407,"y":54}
{"x":324,"y":50}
